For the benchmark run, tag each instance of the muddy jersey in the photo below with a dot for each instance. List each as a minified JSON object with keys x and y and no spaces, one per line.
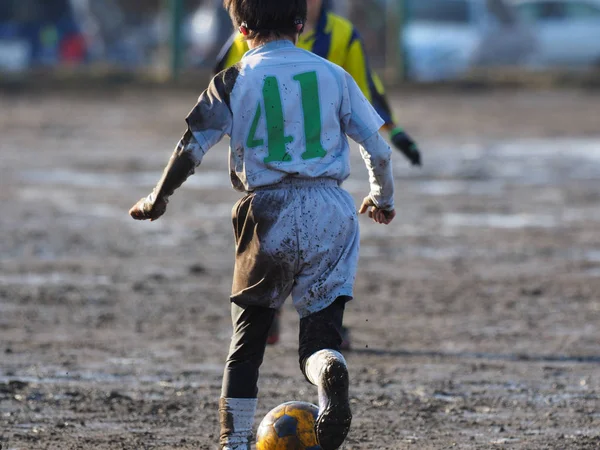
{"x":287,"y":112}
{"x":335,"y":39}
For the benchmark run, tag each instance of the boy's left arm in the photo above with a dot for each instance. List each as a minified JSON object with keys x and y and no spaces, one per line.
{"x":208,"y":122}
{"x":182,"y":164}
{"x":372,"y":87}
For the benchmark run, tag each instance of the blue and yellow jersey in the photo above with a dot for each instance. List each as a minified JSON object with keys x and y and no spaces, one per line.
{"x":337,"y":40}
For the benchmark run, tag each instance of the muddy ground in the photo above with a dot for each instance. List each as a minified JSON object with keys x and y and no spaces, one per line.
{"x":476,"y":323}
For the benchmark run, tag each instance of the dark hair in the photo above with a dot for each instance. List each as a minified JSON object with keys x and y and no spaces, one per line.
{"x":266,"y":18}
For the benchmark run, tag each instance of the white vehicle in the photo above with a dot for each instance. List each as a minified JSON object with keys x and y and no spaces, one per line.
{"x":444,"y":39}
{"x":567,"y":31}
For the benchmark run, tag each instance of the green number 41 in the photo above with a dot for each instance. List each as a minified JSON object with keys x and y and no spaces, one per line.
{"x":277,"y":139}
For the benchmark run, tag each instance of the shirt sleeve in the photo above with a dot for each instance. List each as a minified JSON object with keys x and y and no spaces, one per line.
{"x":357,"y":116}
{"x":211,"y":118}
{"x":377,"y":156}
{"x":208,"y":122}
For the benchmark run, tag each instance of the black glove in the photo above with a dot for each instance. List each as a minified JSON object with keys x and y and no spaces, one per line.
{"x":406,"y":145}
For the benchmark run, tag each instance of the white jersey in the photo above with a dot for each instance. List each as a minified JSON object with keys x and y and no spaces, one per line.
{"x":287,"y":112}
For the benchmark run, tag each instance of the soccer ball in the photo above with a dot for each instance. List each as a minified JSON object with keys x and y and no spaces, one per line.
{"x":289,"y":426}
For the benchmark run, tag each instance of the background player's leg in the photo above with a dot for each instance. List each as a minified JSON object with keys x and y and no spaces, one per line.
{"x":324,"y":366}
{"x":238,"y":395}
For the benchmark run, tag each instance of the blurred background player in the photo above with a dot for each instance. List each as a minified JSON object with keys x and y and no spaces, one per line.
{"x":296,"y":230}
{"x":332,"y":37}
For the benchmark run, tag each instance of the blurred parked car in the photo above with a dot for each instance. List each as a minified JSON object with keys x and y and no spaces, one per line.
{"x":133,"y":37}
{"x":444,"y":39}
{"x":567,"y":31}
{"x":39,"y":33}
{"x":206,"y":30}
{"x":122,"y":33}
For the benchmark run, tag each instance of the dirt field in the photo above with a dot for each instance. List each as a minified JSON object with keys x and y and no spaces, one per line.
{"x":476,"y":323}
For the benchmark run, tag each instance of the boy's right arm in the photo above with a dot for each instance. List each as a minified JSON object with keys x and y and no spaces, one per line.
{"x":361,"y":122}
{"x":380,"y":202}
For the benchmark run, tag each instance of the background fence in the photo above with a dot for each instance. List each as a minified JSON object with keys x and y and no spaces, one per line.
{"x":418,"y":40}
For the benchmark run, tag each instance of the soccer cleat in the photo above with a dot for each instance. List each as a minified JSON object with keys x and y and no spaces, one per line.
{"x":333,"y":422}
{"x":273,"y":336}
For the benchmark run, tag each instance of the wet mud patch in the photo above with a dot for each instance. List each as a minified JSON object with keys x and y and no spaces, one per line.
{"x":475,"y":318}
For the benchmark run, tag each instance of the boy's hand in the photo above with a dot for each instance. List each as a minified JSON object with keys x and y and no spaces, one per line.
{"x":144,"y":209}
{"x":406,"y":145}
{"x":384,"y":216}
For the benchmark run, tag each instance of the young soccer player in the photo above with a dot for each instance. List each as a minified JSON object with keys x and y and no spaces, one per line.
{"x":287,"y":112}
{"x":332,"y":37}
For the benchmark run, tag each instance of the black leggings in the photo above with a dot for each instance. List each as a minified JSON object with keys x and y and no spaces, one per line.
{"x":251,"y":325}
